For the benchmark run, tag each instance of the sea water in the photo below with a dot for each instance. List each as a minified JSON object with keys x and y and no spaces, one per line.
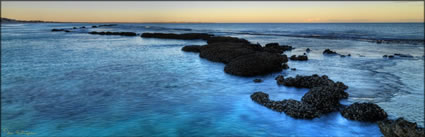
{"x":77,"y":84}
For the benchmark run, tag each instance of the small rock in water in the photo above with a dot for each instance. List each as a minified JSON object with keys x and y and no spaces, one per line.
{"x":390,"y":56}
{"x":83,"y":27}
{"x":342,"y":56}
{"x":349,"y":55}
{"x":385,"y":56}
{"x":330,"y":52}
{"x":400,"y":128}
{"x":285,"y":66}
{"x":94,"y":26}
{"x":364,"y":112}
{"x":293,"y":69}
{"x":299,"y":57}
{"x":307,"y":50}
{"x":258,"y":80}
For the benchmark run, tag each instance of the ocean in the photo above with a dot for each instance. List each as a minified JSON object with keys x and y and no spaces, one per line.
{"x":78,"y":84}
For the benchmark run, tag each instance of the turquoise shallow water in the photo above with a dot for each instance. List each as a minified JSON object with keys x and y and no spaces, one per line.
{"x":76,"y":84}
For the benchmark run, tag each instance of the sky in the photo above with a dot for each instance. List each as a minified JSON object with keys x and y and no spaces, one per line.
{"x":216,"y":11}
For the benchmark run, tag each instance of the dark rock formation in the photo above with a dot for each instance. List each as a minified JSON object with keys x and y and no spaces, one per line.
{"x":257,"y":80}
{"x":83,"y":27}
{"x":114,"y":33}
{"x":255,"y":64}
{"x":58,"y":30}
{"x":192,"y":48}
{"x":400,"y":128}
{"x":276,"y":48}
{"x":285,"y":66}
{"x":307,"y":50}
{"x":329,"y":52}
{"x":74,"y":27}
{"x":299,"y":57}
{"x":364,"y":112}
{"x":94,"y":26}
{"x":225,"y":52}
{"x":298,"y":109}
{"x":293,"y":69}
{"x":324,"y":99}
{"x":185,"y":36}
{"x":67,"y":31}
{"x":310,"y":82}
{"x":222,"y":39}
{"x":403,"y":55}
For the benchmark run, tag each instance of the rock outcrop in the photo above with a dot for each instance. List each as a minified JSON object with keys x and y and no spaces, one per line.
{"x":309,"y":82}
{"x":400,"y":128}
{"x":364,"y":112}
{"x":299,"y":57}
{"x":258,"y":63}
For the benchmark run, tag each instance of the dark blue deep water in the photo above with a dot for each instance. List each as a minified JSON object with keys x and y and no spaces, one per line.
{"x":77,"y":84}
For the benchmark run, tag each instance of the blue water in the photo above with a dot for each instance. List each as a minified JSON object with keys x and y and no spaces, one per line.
{"x":77,"y":84}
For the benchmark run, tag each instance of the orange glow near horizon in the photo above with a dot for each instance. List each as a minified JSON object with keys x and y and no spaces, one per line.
{"x":216,"y":11}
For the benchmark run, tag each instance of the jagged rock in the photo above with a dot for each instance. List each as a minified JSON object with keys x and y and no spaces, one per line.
{"x":299,"y":57}
{"x":258,"y":63}
{"x":192,"y":48}
{"x":400,"y":128}
{"x":311,"y":81}
{"x":329,"y":52}
{"x":364,"y":112}
{"x":324,"y":99}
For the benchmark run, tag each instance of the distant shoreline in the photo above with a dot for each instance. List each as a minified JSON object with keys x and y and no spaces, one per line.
{"x":11,"y":21}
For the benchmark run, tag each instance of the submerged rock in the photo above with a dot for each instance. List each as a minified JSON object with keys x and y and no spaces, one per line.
{"x":257,"y":80}
{"x":307,"y":50}
{"x":293,"y":69}
{"x":114,"y":33}
{"x":299,"y":57}
{"x":400,"y":128}
{"x":329,"y":52}
{"x":258,"y":63}
{"x":310,"y":82}
{"x":364,"y":112}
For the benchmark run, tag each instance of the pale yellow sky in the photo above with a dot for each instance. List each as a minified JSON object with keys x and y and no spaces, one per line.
{"x":216,"y":11}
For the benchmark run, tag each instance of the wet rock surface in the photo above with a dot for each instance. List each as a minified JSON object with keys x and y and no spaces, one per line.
{"x":114,"y":33}
{"x":276,"y":48}
{"x":329,"y":52}
{"x":299,"y":57}
{"x":364,"y":112}
{"x":192,"y":48}
{"x":53,"y":30}
{"x":255,"y":64}
{"x":400,"y":128}
{"x":225,"y":52}
{"x":309,"y":82}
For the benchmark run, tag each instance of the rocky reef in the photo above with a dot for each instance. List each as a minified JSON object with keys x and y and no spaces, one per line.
{"x":400,"y":128}
{"x":309,"y":81}
{"x":364,"y":112}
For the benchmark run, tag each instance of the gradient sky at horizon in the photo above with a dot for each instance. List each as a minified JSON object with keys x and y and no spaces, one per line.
{"x":216,"y":11}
